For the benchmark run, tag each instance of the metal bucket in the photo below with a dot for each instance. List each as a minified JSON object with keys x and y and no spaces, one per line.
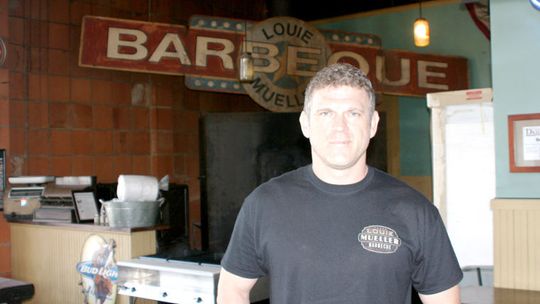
{"x":132,"y":214}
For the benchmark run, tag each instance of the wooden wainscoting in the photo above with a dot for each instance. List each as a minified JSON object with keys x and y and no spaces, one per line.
{"x":46,"y":256}
{"x":516,"y":236}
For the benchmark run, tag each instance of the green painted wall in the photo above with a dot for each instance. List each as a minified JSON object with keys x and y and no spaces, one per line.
{"x":414,"y":139}
{"x":452,"y":33}
{"x":515,"y":26}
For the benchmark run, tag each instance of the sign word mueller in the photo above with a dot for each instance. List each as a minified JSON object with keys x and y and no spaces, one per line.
{"x":287,"y":52}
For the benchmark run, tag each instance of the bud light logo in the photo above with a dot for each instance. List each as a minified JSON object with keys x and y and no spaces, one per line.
{"x":535,"y":4}
{"x":89,"y":270}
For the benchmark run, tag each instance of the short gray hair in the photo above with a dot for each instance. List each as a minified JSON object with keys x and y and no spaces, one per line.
{"x":339,"y":74}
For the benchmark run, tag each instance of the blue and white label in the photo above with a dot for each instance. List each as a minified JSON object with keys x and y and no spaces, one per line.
{"x":90,"y":270}
{"x":535,"y":4}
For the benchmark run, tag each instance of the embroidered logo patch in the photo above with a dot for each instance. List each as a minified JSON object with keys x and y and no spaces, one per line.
{"x":379,"y":239}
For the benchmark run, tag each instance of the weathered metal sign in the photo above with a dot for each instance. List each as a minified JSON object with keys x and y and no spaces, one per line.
{"x":287,"y":53}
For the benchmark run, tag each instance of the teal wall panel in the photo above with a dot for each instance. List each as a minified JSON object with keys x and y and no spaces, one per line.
{"x":453,"y":32}
{"x":414,"y":139}
{"x":516,"y":61}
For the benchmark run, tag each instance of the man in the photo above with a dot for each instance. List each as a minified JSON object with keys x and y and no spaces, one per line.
{"x":339,"y":231}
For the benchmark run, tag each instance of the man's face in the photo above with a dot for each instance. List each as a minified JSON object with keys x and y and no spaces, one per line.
{"x":339,"y":127}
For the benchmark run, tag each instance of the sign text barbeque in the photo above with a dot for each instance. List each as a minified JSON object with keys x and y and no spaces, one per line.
{"x":287,"y":52}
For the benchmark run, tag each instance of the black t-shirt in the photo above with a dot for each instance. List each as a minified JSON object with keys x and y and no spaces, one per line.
{"x":367,"y":242}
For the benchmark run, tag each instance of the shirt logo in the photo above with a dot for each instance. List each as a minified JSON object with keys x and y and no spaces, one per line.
{"x":379,"y":239}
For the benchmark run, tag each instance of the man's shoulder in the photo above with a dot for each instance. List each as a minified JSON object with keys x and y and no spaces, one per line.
{"x":387,"y":179}
{"x":282,"y":182}
{"x":286,"y":178}
{"x":391,"y":185}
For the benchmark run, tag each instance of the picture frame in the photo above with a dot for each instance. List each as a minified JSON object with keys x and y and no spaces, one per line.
{"x":85,"y":205}
{"x":2,"y":177}
{"x":524,"y":142}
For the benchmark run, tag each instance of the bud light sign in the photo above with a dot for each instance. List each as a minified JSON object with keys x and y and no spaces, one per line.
{"x":98,"y":270}
{"x":89,"y":270}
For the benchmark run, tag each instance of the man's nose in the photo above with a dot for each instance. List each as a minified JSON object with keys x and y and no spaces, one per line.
{"x":340,"y":122}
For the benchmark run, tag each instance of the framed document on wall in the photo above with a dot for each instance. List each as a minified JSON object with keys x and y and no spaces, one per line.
{"x":85,"y":206}
{"x":2,"y":177}
{"x":524,"y":142}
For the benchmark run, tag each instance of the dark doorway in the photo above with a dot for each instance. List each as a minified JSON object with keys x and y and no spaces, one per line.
{"x":239,"y":151}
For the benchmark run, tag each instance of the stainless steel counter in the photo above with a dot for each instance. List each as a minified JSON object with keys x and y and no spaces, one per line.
{"x":491,"y":295}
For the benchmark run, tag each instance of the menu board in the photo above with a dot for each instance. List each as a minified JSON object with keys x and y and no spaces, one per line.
{"x":2,"y":176}
{"x":470,"y":181}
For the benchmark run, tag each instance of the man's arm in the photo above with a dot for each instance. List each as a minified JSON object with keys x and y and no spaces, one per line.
{"x":449,"y":296}
{"x":233,"y":289}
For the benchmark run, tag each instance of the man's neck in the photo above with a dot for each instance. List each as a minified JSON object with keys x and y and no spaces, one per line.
{"x":340,"y":176}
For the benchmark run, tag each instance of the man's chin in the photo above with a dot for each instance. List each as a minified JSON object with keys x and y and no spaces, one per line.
{"x":341,"y":164}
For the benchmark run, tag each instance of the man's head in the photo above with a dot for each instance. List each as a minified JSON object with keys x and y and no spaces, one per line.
{"x":339,"y":118}
{"x":339,"y":74}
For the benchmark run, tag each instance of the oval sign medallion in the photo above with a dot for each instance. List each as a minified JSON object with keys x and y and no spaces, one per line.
{"x":287,"y":52}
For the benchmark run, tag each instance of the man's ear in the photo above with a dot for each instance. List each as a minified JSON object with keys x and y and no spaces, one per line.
{"x":374,"y":123}
{"x":304,"y":124}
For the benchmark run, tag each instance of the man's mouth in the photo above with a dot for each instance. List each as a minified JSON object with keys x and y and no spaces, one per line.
{"x":339,"y":142}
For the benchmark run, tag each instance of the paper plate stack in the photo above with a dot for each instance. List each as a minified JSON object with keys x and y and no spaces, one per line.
{"x":137,"y":204}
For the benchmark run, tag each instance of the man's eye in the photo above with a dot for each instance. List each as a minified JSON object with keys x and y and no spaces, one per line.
{"x":356,"y":114}
{"x":324,"y":113}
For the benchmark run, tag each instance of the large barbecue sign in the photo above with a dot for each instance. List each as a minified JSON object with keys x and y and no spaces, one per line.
{"x":287,"y":52}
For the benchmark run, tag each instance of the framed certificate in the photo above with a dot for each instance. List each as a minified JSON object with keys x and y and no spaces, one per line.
{"x":2,"y":176}
{"x":524,"y":142}
{"x":85,"y":204}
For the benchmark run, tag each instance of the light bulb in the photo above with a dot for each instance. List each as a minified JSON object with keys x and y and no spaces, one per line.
{"x":421,"y":32}
{"x":245,"y":70}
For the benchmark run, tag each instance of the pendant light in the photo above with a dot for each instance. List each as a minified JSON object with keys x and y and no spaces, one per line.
{"x":245,"y":65}
{"x":421,"y":30}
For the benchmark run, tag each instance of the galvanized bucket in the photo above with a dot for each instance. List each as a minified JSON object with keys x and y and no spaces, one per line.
{"x":132,"y":214}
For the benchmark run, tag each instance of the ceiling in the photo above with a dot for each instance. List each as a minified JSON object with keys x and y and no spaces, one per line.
{"x":310,"y":10}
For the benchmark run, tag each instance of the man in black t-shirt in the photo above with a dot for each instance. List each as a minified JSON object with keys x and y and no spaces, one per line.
{"x":339,"y":231}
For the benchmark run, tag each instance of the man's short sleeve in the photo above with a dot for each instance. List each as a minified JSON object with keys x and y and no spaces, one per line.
{"x":241,"y":255}
{"x":437,"y":268}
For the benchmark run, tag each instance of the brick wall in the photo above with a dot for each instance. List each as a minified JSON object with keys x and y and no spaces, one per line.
{"x":57,"y":118}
